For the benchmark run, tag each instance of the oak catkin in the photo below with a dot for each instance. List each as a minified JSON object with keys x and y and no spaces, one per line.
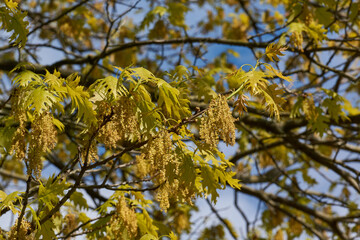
{"x":218,"y":123}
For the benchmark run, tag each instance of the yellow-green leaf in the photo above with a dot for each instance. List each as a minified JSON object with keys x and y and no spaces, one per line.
{"x":8,"y":201}
{"x":273,"y":51}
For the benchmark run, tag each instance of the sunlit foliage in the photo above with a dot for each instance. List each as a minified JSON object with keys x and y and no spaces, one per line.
{"x":117,"y":116}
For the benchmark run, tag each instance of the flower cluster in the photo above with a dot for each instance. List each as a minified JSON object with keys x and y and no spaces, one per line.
{"x":123,"y":125}
{"x":18,"y":141}
{"x":70,"y":223}
{"x":43,"y":138}
{"x":43,"y":135}
{"x":159,"y":159}
{"x":154,"y":161}
{"x":89,"y":153}
{"x":18,"y":145}
{"x":157,"y":154}
{"x":124,"y":221}
{"x":174,"y":191}
{"x":218,"y":122}
{"x":22,"y":233}
{"x":296,"y":38}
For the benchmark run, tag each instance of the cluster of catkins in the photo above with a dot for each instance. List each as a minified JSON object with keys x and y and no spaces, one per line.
{"x":22,"y":232}
{"x":18,"y":145}
{"x":42,"y":139}
{"x":123,"y":125}
{"x":43,"y":136}
{"x":123,"y":224}
{"x":218,"y":122}
{"x":160,"y":160}
{"x":158,"y":157}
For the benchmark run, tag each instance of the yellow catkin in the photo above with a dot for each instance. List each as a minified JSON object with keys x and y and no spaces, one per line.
{"x":123,"y":219}
{"x":89,"y":155}
{"x":22,"y":233}
{"x":18,"y":141}
{"x":123,"y":126}
{"x":43,"y":137}
{"x":297,"y":39}
{"x":175,"y":192}
{"x":18,"y":145}
{"x":157,"y":154}
{"x":159,"y":159}
{"x":142,"y":167}
{"x":163,"y":196}
{"x":218,"y":123}
{"x":70,"y":223}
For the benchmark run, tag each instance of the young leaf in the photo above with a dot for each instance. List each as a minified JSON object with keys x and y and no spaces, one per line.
{"x":177,"y":13}
{"x":209,"y":182}
{"x":25,"y":77}
{"x":40,"y":99}
{"x":255,"y":81}
{"x":150,"y":16}
{"x":334,"y":104}
{"x":240,"y":104}
{"x":181,"y":73}
{"x":146,"y":224}
{"x":272,"y":71}
{"x":34,"y":216}
{"x":187,"y":172}
{"x":80,"y":101}
{"x":142,"y":73}
{"x":98,"y":228}
{"x":12,"y":5}
{"x":273,"y":51}
{"x":49,"y":193}
{"x":172,"y":236}
{"x":46,"y":230}
{"x":148,"y":236}
{"x":13,"y":21}
{"x":272,"y":99}
{"x":319,"y":123}
{"x":58,"y":124}
{"x":110,"y":87}
{"x":169,"y":101}
{"x":6,"y":135}
{"x":227,"y":177}
{"x":79,"y":200}
{"x":8,"y":201}
{"x":53,"y":80}
{"x":295,"y":110}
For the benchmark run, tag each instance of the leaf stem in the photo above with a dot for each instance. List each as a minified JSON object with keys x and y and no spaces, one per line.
{"x":236,"y":91}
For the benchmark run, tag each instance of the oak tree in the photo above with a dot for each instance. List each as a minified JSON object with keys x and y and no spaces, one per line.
{"x":116,"y":116}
